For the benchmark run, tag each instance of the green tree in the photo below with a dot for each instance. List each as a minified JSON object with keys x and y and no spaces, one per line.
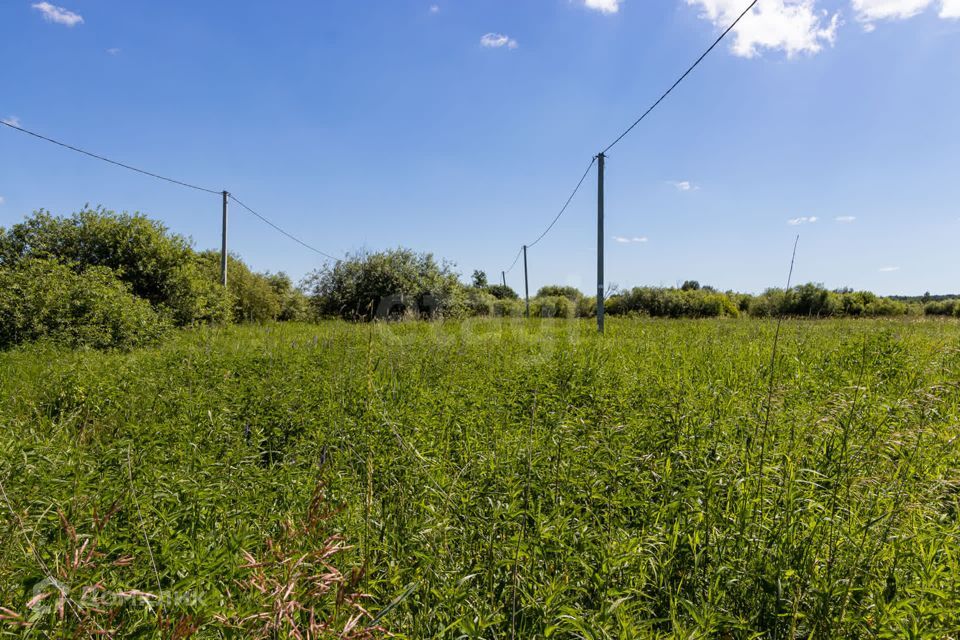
{"x":479,"y":279}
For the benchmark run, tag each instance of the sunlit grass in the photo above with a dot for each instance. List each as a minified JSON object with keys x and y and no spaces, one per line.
{"x":503,"y":478}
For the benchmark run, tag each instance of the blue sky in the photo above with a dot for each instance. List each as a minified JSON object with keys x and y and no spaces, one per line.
{"x":460,"y":127}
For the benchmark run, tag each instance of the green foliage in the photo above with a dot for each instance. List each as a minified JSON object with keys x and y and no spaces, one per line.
{"x":811,"y":300}
{"x":502,"y":292}
{"x":253,"y":296}
{"x":949,"y":307}
{"x":159,"y":266}
{"x":493,"y":479}
{"x":42,"y":299}
{"x":553,"y":307}
{"x":294,"y":304}
{"x":571,"y":293}
{"x":352,"y":288}
{"x":479,"y":279}
{"x":672,"y":303}
{"x":479,"y":303}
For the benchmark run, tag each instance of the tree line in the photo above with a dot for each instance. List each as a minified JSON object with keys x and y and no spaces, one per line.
{"x":105,"y":280}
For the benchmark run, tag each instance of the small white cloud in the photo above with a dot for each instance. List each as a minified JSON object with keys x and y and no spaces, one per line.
{"x":2,"y":200}
{"x":868,"y":11}
{"x":889,"y":269}
{"x":793,"y":26}
{"x":802,"y":220}
{"x":845,"y":219}
{"x":12,"y":120}
{"x":869,"y":27}
{"x":684,"y":185}
{"x":497,"y":41}
{"x":631,"y":240}
{"x":113,"y":51}
{"x":58,"y":15}
{"x":603,"y":6}
{"x":434,"y":8}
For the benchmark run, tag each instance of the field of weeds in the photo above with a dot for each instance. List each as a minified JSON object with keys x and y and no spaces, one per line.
{"x":487,"y":479}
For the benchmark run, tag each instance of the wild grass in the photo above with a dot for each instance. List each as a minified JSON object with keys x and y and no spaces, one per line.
{"x":488,"y":479}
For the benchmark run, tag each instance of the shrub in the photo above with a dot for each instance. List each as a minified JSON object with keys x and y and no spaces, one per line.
{"x":571,"y":293}
{"x":479,"y":303}
{"x":252,"y":295}
{"x":44,"y":299}
{"x":352,"y":288}
{"x":157,"y":265}
{"x":942,"y":308}
{"x":294,"y":304}
{"x":552,"y":307}
{"x":502,"y":292}
{"x":672,"y":303}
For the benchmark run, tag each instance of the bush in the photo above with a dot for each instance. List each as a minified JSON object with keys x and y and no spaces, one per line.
{"x":158,"y":266}
{"x":509,"y":308}
{"x":294,"y":304}
{"x":942,"y":308}
{"x":44,"y":299}
{"x":571,"y":293}
{"x":479,"y":303}
{"x":672,"y":303}
{"x":252,"y":295}
{"x":352,"y":288}
{"x":552,"y":307}
{"x":502,"y":292}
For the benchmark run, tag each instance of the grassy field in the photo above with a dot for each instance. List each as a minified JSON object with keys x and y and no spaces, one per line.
{"x":488,"y":479}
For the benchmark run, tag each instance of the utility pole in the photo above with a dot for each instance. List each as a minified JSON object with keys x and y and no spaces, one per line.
{"x":600,"y":160}
{"x":223,"y":244}
{"x":526,"y":281}
{"x":503,"y":275}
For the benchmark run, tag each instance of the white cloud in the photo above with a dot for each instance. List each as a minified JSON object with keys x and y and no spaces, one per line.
{"x":434,"y":8}
{"x":950,"y":9}
{"x":868,"y":11}
{"x":889,"y":269}
{"x":845,"y":219}
{"x":626,"y":240}
{"x":793,"y":26}
{"x":113,"y":51}
{"x":684,"y":185}
{"x":802,"y":220}
{"x":2,"y":200}
{"x":603,"y":6}
{"x":14,"y":120}
{"x":59,"y":15}
{"x":498,"y":40}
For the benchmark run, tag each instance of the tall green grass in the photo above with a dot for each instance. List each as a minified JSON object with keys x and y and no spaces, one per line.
{"x":497,"y":478}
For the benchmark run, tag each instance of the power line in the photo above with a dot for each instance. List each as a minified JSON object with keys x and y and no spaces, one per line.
{"x":683,"y":77}
{"x":556,"y":218}
{"x":515,"y":258}
{"x":289,"y":235}
{"x":113,"y":162}
{"x":565,"y":205}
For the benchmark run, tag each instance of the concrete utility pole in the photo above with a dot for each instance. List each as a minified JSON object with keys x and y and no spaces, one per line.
{"x":526,"y":281}
{"x":223,"y":244}
{"x":600,"y":161}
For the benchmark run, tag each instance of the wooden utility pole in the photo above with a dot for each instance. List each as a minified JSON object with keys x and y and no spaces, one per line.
{"x":600,"y":160}
{"x":223,"y":244}
{"x":503,"y":276}
{"x":526,"y":281}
